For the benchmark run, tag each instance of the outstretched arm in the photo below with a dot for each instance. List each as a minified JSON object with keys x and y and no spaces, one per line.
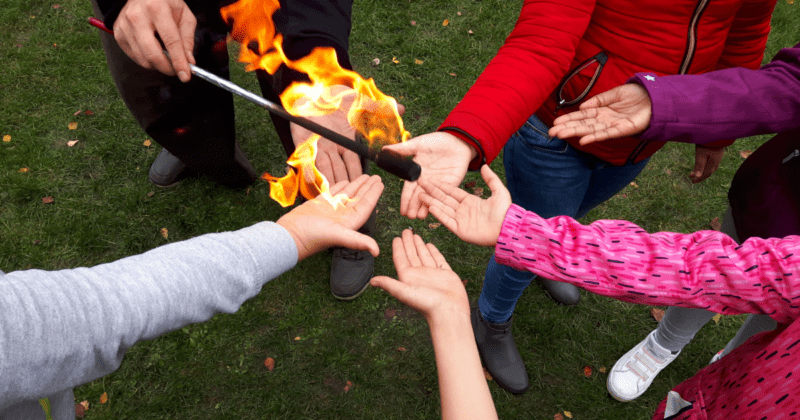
{"x":427,"y":284}
{"x":60,"y":329}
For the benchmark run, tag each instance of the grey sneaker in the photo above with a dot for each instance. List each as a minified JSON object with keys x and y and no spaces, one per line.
{"x":167,"y":170}
{"x":350,"y":272}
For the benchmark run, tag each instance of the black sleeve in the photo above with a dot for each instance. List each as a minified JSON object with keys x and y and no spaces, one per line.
{"x":110,"y":10}
{"x":305,"y":25}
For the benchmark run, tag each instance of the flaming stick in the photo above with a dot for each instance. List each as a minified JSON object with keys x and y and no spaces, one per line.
{"x":389,"y":161}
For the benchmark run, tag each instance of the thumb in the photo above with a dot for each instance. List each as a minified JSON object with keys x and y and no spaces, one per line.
{"x":390,"y":285}
{"x":406,"y":148}
{"x":492,"y":180}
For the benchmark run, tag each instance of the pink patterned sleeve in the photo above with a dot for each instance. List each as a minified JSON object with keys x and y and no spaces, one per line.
{"x":614,"y":258}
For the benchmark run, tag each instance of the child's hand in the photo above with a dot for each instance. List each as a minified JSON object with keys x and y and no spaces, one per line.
{"x":427,"y":283}
{"x":315,"y":225}
{"x":471,"y":218}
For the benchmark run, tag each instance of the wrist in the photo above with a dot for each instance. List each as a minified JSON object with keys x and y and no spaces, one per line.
{"x":302,"y":250}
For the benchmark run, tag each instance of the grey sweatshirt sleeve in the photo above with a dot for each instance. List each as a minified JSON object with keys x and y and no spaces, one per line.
{"x":60,"y":329}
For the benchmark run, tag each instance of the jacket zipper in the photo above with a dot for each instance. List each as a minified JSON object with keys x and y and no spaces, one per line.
{"x":600,"y":59}
{"x":691,"y":44}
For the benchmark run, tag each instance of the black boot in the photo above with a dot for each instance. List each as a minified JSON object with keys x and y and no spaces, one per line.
{"x":563,"y":293}
{"x":499,"y":353}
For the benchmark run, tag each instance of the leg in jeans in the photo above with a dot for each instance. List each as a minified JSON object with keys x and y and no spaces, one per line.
{"x":194,"y":121}
{"x":549,"y":177}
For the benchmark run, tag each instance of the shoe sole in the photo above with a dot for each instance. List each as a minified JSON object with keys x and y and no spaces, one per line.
{"x":353,"y":297}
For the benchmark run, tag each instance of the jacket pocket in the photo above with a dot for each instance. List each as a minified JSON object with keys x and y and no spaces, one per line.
{"x":563,"y":102}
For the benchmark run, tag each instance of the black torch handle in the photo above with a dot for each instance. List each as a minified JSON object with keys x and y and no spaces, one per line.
{"x":391,"y":162}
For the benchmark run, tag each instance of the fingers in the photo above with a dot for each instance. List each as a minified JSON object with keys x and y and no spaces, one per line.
{"x":338,"y":187}
{"x":573,"y":118}
{"x":438,"y":258}
{"x":493,"y":181}
{"x":390,"y":285}
{"x":351,"y":188}
{"x":187,"y":28}
{"x":405,"y":197}
{"x":336,"y":163}
{"x":410,"y":249}
{"x":444,"y":214}
{"x":353,"y":164}
{"x":367,"y":197}
{"x":399,"y":255}
{"x":423,"y":252}
{"x":351,"y":239}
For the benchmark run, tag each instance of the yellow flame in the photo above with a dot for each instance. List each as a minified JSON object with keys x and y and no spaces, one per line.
{"x":372,"y":113}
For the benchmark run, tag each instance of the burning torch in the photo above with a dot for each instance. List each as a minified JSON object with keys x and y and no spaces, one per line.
{"x":387,"y":160}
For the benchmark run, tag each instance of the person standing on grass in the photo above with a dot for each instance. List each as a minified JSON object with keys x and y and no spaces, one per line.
{"x":618,"y":259}
{"x":194,"y":120}
{"x":558,"y":55}
{"x":763,"y":200}
{"x":61,"y":329}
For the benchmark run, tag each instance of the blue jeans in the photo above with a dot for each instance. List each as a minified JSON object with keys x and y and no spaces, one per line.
{"x":551,"y":178}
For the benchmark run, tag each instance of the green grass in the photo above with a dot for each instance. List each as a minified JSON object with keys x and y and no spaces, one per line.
{"x":104,"y":209}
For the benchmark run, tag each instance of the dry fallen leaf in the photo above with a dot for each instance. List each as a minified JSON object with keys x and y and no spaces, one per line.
{"x":23,"y":170}
{"x":80,"y":411}
{"x":470,"y":184}
{"x":164,"y":233}
{"x":478,"y":191}
{"x":56,"y":6}
{"x":470,"y":32}
{"x":72,"y":143}
{"x":716,"y":224}
{"x":716,"y":318}
{"x":413,"y":23}
{"x":634,"y":185}
{"x":602,"y":369}
{"x":147,"y":143}
{"x":745,"y":153}
{"x":6,"y":138}
{"x":347,"y":386}
{"x":458,"y":13}
{"x":587,"y":371}
{"x":150,"y":194}
{"x":85,"y":404}
{"x":269,"y":363}
{"x":76,"y":113}
{"x":434,"y":225}
{"x":446,"y":22}
{"x":395,"y":60}
{"x":657,"y":314}
{"x":568,"y":414}
{"x":89,"y":112}
{"x":104,"y":398}
{"x":390,"y":313}
{"x":453,"y":74}
{"x":558,"y":416}
{"x":297,"y":338}
{"x":47,"y":200}
{"x":73,"y":126}
{"x":376,"y":61}
{"x":418,"y":61}
{"x":487,"y":374}
{"x":667,"y":171}
{"x":401,"y":349}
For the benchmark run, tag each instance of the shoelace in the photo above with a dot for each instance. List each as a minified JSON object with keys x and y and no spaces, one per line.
{"x":647,"y":359}
{"x":349,"y":254}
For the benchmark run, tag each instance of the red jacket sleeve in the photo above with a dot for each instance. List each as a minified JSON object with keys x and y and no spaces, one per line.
{"x":534,"y":58}
{"x":746,"y":41}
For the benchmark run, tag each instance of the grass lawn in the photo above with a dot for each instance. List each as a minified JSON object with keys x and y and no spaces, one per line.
{"x":104,"y":208}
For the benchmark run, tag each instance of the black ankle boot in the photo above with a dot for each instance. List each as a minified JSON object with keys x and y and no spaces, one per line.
{"x":499,"y":353}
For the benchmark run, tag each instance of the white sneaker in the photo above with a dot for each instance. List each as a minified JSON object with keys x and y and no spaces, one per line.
{"x":634,"y":372}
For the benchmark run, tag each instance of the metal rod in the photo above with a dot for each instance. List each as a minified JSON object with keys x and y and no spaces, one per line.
{"x":392,"y":162}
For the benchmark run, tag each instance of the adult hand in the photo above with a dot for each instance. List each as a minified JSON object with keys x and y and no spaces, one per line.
{"x":137,"y":25}
{"x":472,"y":219}
{"x":316,"y":225}
{"x":426,"y":282}
{"x":706,"y":162}
{"x":335,"y":162}
{"x":442,"y":156}
{"x":620,"y":112}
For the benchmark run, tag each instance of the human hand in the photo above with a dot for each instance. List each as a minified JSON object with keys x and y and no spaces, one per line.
{"x":316,"y":225}
{"x":137,"y":25}
{"x":471,"y":218}
{"x":335,"y":162}
{"x":620,"y":112}
{"x":442,"y":156}
{"x":706,"y":162}
{"x":426,"y":283}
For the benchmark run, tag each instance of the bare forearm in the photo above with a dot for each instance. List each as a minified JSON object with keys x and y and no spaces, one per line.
{"x":462,"y":385}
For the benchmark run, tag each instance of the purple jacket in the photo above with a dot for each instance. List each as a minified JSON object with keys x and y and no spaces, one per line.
{"x":724,"y":104}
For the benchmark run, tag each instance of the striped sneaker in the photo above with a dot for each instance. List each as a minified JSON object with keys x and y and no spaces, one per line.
{"x":634,"y":372}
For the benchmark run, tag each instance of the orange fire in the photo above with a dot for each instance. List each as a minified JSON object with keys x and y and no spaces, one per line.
{"x":373,"y":114}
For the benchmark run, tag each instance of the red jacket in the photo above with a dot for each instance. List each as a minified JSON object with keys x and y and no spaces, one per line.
{"x":552,"y":41}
